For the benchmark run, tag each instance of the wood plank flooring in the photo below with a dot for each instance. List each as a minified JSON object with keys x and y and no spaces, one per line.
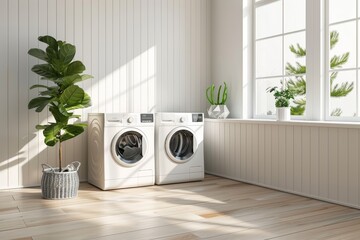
{"x":215,"y":208}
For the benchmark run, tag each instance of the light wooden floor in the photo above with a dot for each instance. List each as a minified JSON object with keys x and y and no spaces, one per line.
{"x":215,"y":208}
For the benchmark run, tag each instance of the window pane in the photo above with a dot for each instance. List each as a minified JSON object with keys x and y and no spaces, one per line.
{"x":269,"y":19}
{"x":294,"y":56}
{"x":343,"y":99}
{"x":269,"y":57}
{"x":297,"y":84}
{"x":346,"y":44}
{"x":340,"y":10}
{"x":294,"y":15}
{"x":265,"y":104}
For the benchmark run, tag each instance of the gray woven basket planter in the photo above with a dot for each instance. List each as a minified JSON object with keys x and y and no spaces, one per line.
{"x":60,"y":185}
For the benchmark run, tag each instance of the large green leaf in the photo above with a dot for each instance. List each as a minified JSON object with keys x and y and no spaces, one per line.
{"x":49,"y":41}
{"x":59,"y":117}
{"x":45,"y":70}
{"x":39,"y":103}
{"x":75,"y":67}
{"x":39,"y":86}
{"x":38,"y":53}
{"x":73,"y":95}
{"x":68,"y":80}
{"x":71,"y":131}
{"x":52,"y":54}
{"x":41,"y":127}
{"x":52,"y":133}
{"x":67,"y":53}
{"x":86,"y":102}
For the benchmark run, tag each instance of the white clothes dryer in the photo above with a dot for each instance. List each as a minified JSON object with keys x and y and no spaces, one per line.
{"x":121,"y":150}
{"x":179,"y":147}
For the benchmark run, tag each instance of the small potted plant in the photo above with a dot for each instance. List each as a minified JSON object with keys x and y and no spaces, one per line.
{"x":282,"y":101}
{"x":218,"y":107}
{"x":62,"y":96}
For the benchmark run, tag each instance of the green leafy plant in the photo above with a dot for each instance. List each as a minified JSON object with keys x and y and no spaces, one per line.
{"x":282,"y":95}
{"x":298,"y":86}
{"x":220,"y":100}
{"x":62,"y":95}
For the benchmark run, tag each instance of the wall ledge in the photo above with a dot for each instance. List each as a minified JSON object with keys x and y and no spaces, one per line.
{"x":288,"y":123}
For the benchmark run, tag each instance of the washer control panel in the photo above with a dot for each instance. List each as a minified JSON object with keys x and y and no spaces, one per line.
{"x":147,"y":117}
{"x":197,"y":117}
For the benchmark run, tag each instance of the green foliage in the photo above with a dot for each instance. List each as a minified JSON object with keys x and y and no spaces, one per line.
{"x":63,"y":96}
{"x":298,"y":86}
{"x":221,"y":99}
{"x":282,"y":96}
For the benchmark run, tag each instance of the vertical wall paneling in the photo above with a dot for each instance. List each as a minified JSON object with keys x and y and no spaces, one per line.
{"x":4,"y":149}
{"x":289,"y":162}
{"x":268,"y":154}
{"x":248,"y":159}
{"x":324,"y":163}
{"x":144,"y":52}
{"x":333,"y":164}
{"x":227,"y":148}
{"x":353,"y":167}
{"x":243,"y":150}
{"x":297,"y":158}
{"x":343,"y":170}
{"x":110,"y":51}
{"x":305,"y":159}
{"x":310,"y":160}
{"x":262,"y":157}
{"x":282,"y":157}
{"x":33,"y":134}
{"x":314,"y":161}
{"x":137,"y":56}
{"x":13,"y":95}
{"x":171,"y":30}
{"x":144,"y":55}
{"x":238,"y":149}
{"x":275,"y":155}
{"x":25,"y":142}
{"x":255,"y":152}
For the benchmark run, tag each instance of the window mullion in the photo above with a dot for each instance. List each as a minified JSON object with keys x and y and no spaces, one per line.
{"x":314,"y":59}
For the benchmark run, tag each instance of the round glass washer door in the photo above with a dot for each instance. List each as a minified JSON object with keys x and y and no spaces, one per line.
{"x":181,"y":145}
{"x":129,"y":147}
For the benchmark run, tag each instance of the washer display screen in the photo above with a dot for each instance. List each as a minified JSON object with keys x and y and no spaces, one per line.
{"x":128,"y":147}
{"x":181,"y":145}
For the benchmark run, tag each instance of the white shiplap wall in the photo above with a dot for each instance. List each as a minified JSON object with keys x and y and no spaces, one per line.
{"x":145,"y":56}
{"x":310,"y":159}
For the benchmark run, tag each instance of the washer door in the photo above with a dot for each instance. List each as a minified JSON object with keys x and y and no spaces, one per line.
{"x":129,"y":147}
{"x":181,"y":145}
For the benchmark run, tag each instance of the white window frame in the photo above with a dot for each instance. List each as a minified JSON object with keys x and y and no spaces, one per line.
{"x":315,"y":56}
{"x":327,"y":66}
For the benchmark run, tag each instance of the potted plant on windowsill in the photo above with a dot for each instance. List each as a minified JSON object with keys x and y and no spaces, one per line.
{"x":282,"y":101}
{"x":62,"y":96}
{"x":218,"y":107}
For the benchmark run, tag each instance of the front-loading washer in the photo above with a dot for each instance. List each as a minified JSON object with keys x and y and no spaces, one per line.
{"x":121,"y":150}
{"x":179,"y":147}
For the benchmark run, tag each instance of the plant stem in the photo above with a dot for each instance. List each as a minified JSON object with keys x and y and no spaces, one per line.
{"x":60,"y":155}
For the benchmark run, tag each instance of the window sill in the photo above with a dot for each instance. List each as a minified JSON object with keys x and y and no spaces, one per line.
{"x":289,"y":123}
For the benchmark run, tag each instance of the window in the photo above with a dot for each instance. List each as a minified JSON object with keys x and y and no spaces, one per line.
{"x":280,"y":54}
{"x":283,"y":32}
{"x":342,"y":65}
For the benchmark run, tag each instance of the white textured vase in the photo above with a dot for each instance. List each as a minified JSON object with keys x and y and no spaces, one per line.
{"x":218,"y":111}
{"x":283,"y":114}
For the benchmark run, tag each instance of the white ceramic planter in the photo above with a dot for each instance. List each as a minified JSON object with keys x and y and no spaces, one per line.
{"x":218,"y":111}
{"x":283,"y":114}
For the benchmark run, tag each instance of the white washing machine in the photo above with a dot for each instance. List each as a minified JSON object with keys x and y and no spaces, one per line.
{"x":179,"y":147}
{"x":121,"y":150}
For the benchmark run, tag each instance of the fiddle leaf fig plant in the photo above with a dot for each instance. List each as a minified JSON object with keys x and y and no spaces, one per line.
{"x":62,"y":96}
